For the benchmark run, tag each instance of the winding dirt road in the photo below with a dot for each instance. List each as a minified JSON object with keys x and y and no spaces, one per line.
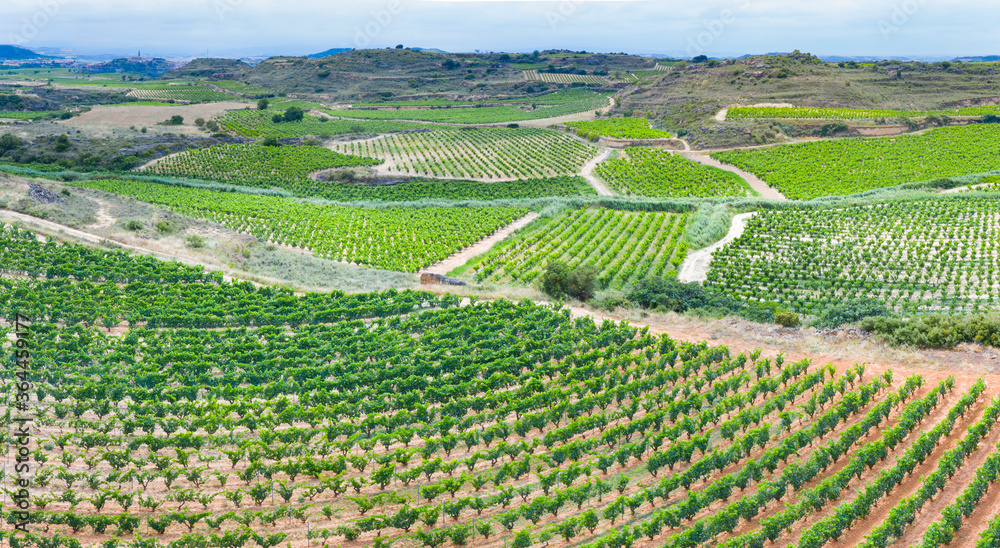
{"x":695,"y":266}
{"x":480,"y":247}
{"x":588,"y":173}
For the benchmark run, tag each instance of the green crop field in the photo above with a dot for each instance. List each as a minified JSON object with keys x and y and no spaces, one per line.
{"x":847,"y":166}
{"x":619,"y":128}
{"x":420,"y":189}
{"x":623,"y":246}
{"x":393,"y":239}
{"x":180,"y":93}
{"x":481,"y":153}
{"x":852,"y":113}
{"x":259,"y":124}
{"x":557,"y":78}
{"x":651,"y":172}
{"x":255,"y":165}
{"x":915,"y":256}
{"x":404,"y":417}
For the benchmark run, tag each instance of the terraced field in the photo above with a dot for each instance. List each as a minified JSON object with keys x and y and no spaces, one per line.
{"x":393,"y":239}
{"x":650,"y":172}
{"x":253,"y":416}
{"x":848,"y":166}
{"x":490,"y":154}
{"x":917,"y":257}
{"x":623,"y":246}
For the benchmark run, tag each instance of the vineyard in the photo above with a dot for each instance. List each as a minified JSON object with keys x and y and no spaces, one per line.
{"x":847,"y":166}
{"x":480,"y":115}
{"x":852,"y":113}
{"x":619,"y":128}
{"x":260,"y":418}
{"x":623,"y":246}
{"x":915,"y":256}
{"x":259,"y":123}
{"x":254,"y":165}
{"x":651,"y":172}
{"x":192,"y":93}
{"x":405,"y":240}
{"x":493,"y":154}
{"x":557,"y":78}
{"x":420,"y":189}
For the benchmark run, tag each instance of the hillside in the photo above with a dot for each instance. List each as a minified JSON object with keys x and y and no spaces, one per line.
{"x":17,"y":53}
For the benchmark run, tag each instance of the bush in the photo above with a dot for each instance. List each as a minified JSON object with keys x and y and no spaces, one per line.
{"x":175,"y":120}
{"x":670,"y":295}
{"x":195,"y":242}
{"x":164,"y":227}
{"x":937,"y":331}
{"x":786,"y":318}
{"x":852,"y":312}
{"x":271,"y":141}
{"x":134,"y":225}
{"x":560,"y":281}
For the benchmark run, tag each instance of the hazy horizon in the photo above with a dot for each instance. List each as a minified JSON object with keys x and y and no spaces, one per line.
{"x":720,"y":28}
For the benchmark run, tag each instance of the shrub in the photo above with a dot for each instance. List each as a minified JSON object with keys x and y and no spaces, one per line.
{"x":938,"y":331}
{"x":786,"y":318}
{"x":271,"y":141}
{"x":852,"y":312}
{"x":195,"y":242}
{"x":560,"y":280}
{"x":134,"y":225}
{"x":164,"y":227}
{"x":175,"y":120}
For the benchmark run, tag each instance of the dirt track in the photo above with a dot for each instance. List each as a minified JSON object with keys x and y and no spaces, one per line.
{"x":484,"y":245}
{"x":588,"y":173}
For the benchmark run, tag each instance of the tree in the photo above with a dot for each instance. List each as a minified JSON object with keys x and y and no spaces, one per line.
{"x":399,"y":46}
{"x":560,"y":280}
{"x":294,"y":114}
{"x":62,"y":143}
{"x":9,"y":142}
{"x":263,"y":104}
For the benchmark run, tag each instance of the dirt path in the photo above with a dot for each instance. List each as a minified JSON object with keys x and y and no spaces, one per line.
{"x":755,"y":182}
{"x":695,"y":266}
{"x":721,"y":116}
{"x":588,"y":173}
{"x":104,"y":219}
{"x":965,"y":188}
{"x":484,"y":245}
{"x":155,"y":161}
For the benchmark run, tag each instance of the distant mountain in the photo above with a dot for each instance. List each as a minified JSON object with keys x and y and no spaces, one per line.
{"x":435,"y":50}
{"x":981,"y":59}
{"x":155,"y":67}
{"x":14,"y":52}
{"x":328,"y":53}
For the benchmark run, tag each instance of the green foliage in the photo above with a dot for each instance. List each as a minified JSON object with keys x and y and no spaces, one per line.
{"x":258,"y":124}
{"x":394,"y":239}
{"x":480,"y":153}
{"x":175,"y":120}
{"x":786,"y":318}
{"x":560,"y":280}
{"x":621,"y":245}
{"x":848,"y":166}
{"x":195,"y":241}
{"x":619,"y":128}
{"x":850,"y":312}
{"x":652,"y":172}
{"x":936,"y":331}
{"x":915,"y":256}
{"x":852,"y":113}
{"x":260,"y":166}
{"x":134,"y":225}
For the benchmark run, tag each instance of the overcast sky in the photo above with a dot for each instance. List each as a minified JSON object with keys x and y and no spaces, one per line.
{"x":711,"y":27}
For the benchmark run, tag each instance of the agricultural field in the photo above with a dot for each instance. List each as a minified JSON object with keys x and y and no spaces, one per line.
{"x":30,"y":115}
{"x":847,"y":166}
{"x":252,"y":90}
{"x":255,"y":165}
{"x":405,"y":240}
{"x":557,"y":78}
{"x":482,"y":115}
{"x":623,"y":246}
{"x":619,"y":128}
{"x":916,"y":256}
{"x":651,"y":172}
{"x":852,"y":113}
{"x":422,"y":189}
{"x":255,"y":417}
{"x":191,"y":93}
{"x":493,"y":154}
{"x":259,"y":124}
